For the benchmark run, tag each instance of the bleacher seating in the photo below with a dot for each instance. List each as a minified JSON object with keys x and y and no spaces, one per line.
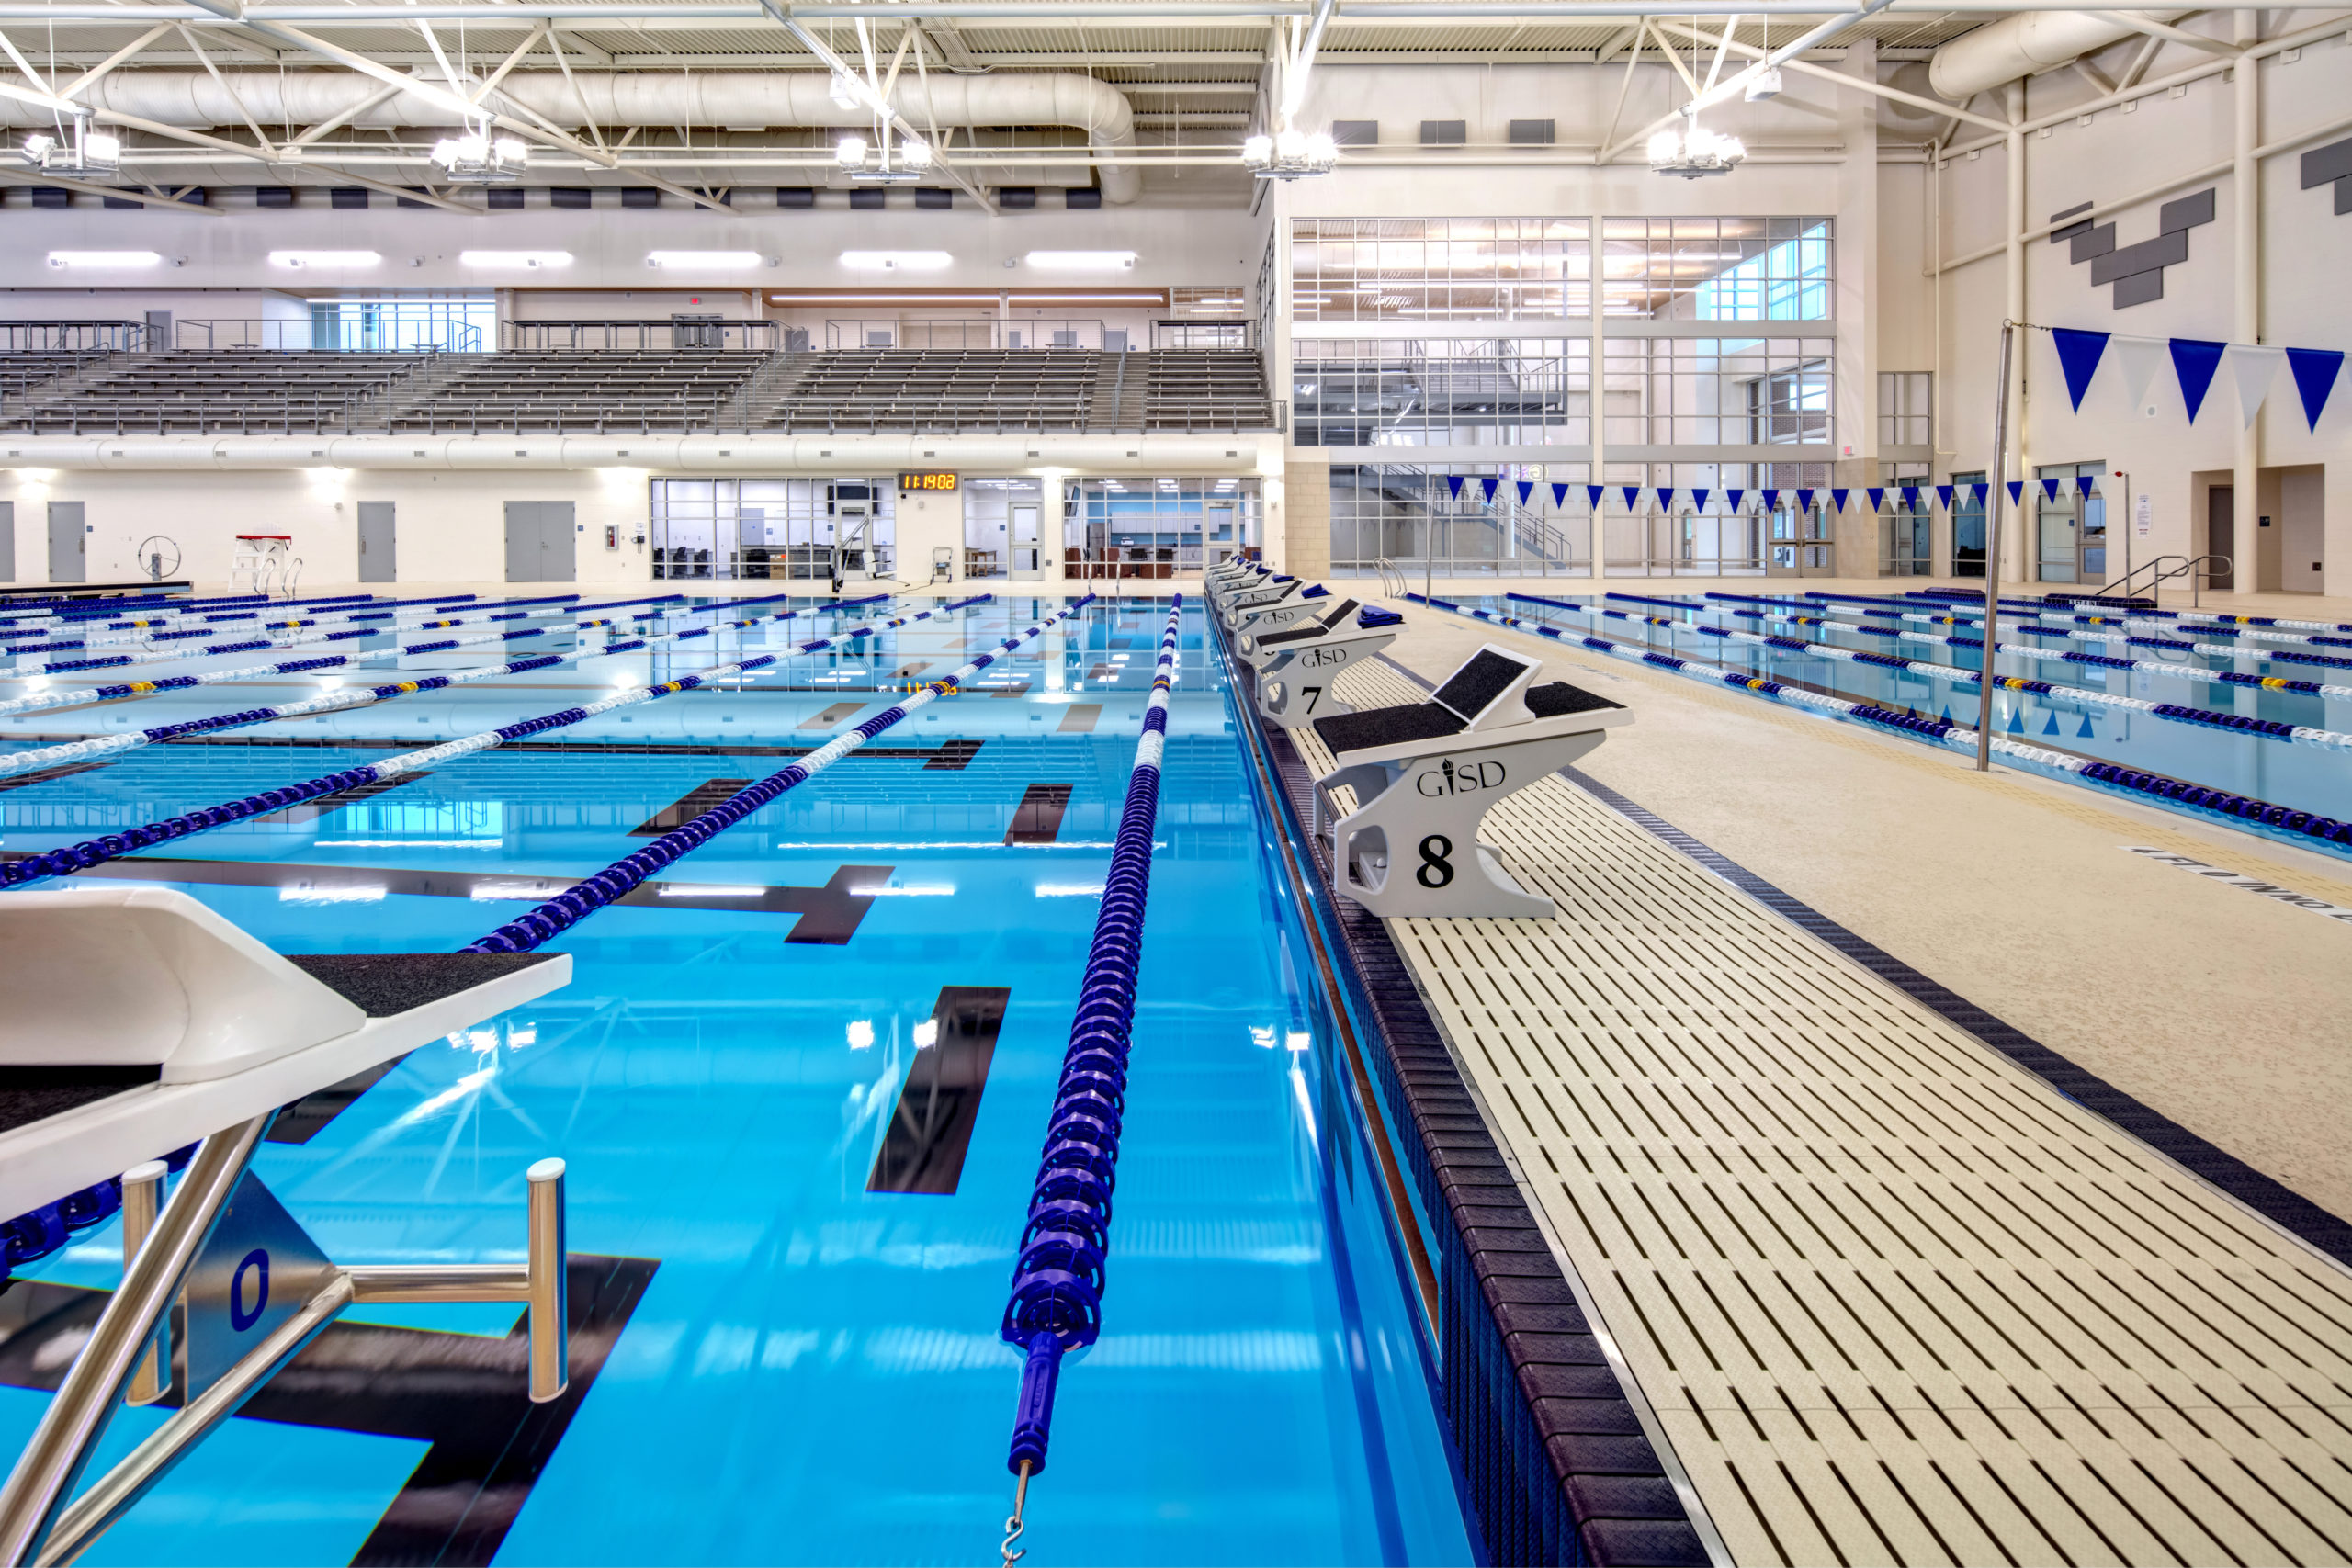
{"x":578,"y":389}
{"x":236,"y":390}
{"x":860,"y":391}
{"x":1202,"y":389}
{"x":20,"y":372}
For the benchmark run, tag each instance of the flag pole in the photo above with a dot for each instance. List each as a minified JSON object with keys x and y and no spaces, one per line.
{"x":1993,"y":555}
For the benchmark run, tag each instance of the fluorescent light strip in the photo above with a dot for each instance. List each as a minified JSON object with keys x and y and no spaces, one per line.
{"x":897,"y":261}
{"x":111,"y":260}
{"x":1080,"y":261}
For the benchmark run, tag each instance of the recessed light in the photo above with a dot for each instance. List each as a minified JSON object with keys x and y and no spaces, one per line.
{"x":110,"y":259}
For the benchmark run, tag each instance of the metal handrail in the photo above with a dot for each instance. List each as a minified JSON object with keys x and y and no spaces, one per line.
{"x":2122,"y":586}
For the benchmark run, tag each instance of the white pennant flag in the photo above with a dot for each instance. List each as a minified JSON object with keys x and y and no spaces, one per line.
{"x":2255,"y":369}
{"x":2138,"y":360}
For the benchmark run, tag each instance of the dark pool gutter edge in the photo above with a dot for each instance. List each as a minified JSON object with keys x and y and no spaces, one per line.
{"x":1557,"y":1457}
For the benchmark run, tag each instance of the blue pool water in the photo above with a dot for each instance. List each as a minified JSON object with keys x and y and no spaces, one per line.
{"x":812,"y":1373}
{"x":2308,"y":777}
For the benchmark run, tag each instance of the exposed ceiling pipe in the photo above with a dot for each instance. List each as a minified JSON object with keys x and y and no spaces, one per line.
{"x":732,"y":100}
{"x":2025,"y":45}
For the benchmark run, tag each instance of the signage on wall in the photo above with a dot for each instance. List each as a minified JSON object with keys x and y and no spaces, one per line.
{"x":926,"y":481}
{"x":2144,"y":513}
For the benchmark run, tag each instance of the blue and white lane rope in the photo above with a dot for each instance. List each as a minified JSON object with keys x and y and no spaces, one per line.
{"x":2264,"y":729}
{"x":1943,"y":732}
{"x":2025,"y":650}
{"x":584,"y":897}
{"x":75,"y":696}
{"x":1057,"y":1300}
{"x":156,"y":649}
{"x":160,"y":621}
{"x":93,"y":852}
{"x":70,"y":753}
{"x":2293,"y":649}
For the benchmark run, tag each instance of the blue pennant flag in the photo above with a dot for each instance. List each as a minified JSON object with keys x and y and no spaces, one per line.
{"x":2086,"y":483}
{"x":1488,"y":484}
{"x":1771,"y":500}
{"x":1735,"y":497}
{"x":1911,"y":496}
{"x":1665,"y":498}
{"x":1526,"y":489}
{"x":2195,"y":360}
{"x":1804,"y":499}
{"x":1943,"y":496}
{"x":1878,"y":498}
{"x":2016,"y":493}
{"x":1698,"y":498}
{"x":1592,"y":494}
{"x":1454,"y":484}
{"x":2050,"y":487}
{"x":1981,"y":489}
{"x":2079,"y":356}
{"x":2314,"y":370}
{"x":1631,"y":492}
{"x":1838,"y":498}
{"x":1559,"y":495}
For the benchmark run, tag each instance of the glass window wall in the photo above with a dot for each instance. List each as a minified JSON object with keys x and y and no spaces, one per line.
{"x":1405,"y":269}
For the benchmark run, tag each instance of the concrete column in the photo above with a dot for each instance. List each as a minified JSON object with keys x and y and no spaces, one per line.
{"x":1855,"y":307}
{"x":2017,"y":550}
{"x":1600,"y":395}
{"x":1307,"y":524}
{"x":2245,"y":316}
{"x":1049,"y":524}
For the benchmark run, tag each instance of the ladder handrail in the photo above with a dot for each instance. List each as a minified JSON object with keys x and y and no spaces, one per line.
{"x":2189,"y":568}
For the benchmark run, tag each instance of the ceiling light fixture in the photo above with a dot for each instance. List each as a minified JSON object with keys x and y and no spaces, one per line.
{"x":110,"y":260}
{"x":477,"y":158}
{"x":515,"y":258}
{"x":85,"y":151}
{"x":867,"y":164}
{"x":323,"y":258}
{"x":1290,"y":154}
{"x":1695,"y":153}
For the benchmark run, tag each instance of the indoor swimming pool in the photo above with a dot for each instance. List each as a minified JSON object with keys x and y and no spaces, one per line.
{"x":2304,"y":773}
{"x":793,"y":1210}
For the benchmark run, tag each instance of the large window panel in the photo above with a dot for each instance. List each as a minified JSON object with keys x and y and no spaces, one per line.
{"x":1717,"y":269}
{"x":1442,"y":391}
{"x":1717,"y":392}
{"x":1409,"y":269}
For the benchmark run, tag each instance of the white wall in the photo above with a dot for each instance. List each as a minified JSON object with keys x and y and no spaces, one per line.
{"x":2306,"y":253}
{"x":451,"y":527}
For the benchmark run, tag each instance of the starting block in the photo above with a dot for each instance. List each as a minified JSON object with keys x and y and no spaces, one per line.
{"x":1425,"y":776}
{"x":1260,"y":595}
{"x":136,"y":1021}
{"x":1297,"y":665}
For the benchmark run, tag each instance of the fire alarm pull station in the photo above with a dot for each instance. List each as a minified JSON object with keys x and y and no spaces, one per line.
{"x":612,"y":536}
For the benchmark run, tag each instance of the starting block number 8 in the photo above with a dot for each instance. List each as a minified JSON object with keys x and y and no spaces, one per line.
{"x":1435,"y":870}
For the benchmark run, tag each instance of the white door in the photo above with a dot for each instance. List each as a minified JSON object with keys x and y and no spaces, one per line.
{"x":1025,"y":547}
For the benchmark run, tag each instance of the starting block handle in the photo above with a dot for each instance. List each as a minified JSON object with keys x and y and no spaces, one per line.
{"x":550,"y":1334}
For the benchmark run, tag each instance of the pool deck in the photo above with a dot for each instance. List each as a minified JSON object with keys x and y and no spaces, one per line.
{"x":1891,"y":1295}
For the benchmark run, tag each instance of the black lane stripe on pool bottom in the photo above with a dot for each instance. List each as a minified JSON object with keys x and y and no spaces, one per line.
{"x":1038,"y":819}
{"x":686,"y":808}
{"x":828,"y":915}
{"x":930,"y":1127}
{"x":2276,"y":1201}
{"x":466,"y":1395}
{"x":951,"y":756}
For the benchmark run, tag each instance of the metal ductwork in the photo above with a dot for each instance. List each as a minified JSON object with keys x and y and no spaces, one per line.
{"x":725,"y":100}
{"x":2025,"y":44}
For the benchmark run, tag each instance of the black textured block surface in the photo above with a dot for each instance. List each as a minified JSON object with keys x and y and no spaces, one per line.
{"x":383,"y":984}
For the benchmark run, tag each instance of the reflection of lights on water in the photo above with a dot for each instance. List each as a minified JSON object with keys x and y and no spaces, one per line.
{"x":706,"y":890}
{"x":1262,"y":1037}
{"x":861,"y":1033}
{"x":926,"y":1034}
{"x":307,"y":895}
{"x":1299,"y":1040}
{"x":1069,"y":890}
{"x":921,"y":890}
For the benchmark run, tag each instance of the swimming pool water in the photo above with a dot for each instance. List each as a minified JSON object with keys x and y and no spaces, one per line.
{"x":812,"y":1373}
{"x":2308,"y":777}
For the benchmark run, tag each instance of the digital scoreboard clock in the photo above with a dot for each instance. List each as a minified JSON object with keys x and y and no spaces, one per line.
{"x":927,"y":481}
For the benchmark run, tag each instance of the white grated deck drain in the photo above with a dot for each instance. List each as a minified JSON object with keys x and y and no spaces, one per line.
{"x":1894,"y":1299}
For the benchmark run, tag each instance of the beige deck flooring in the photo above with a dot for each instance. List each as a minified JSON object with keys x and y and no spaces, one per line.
{"x":1892,"y":1299}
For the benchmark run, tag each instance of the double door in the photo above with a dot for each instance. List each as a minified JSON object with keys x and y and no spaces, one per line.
{"x":541,"y":542}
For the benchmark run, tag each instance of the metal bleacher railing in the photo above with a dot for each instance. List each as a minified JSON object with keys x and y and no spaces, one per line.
{"x":259,"y":377}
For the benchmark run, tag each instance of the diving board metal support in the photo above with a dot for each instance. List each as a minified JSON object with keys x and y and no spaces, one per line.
{"x":234,"y":1030}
